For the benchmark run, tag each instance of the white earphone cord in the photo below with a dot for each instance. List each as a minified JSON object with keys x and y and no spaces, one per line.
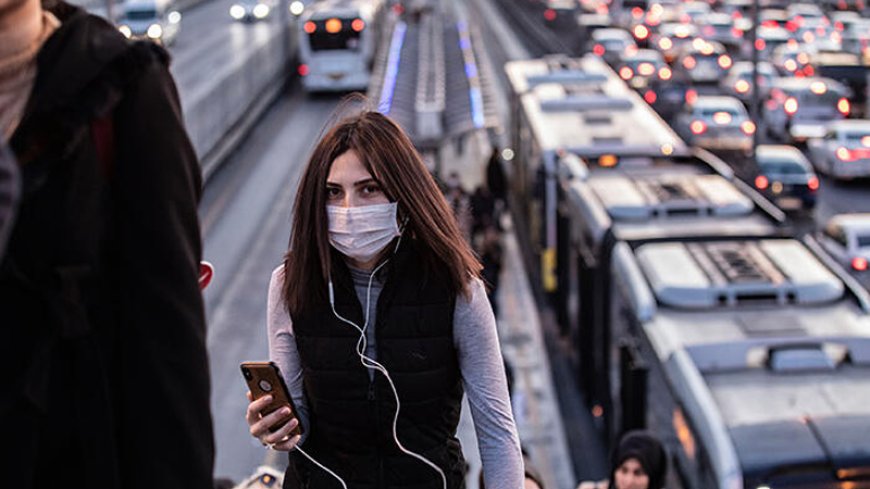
{"x":372,"y":364}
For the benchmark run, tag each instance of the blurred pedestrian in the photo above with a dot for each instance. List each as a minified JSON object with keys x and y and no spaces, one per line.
{"x":482,"y":210}
{"x":491,"y":258}
{"x":639,"y":462}
{"x":379,"y":300}
{"x":495,"y":177}
{"x":459,"y":201}
{"x":103,"y":362}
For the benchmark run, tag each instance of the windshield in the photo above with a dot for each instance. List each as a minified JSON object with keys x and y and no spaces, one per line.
{"x":782,"y":167}
{"x":346,"y":38}
{"x":863,"y":240}
{"x":709,"y":113}
{"x":857,"y":139}
{"x":145,"y":14}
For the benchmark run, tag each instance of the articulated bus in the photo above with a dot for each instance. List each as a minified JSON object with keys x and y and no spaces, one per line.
{"x":338,"y":42}
{"x":568,"y":108}
{"x":748,"y":357}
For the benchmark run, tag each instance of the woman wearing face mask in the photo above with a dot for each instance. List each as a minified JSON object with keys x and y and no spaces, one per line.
{"x":379,"y":275}
{"x":639,"y":462}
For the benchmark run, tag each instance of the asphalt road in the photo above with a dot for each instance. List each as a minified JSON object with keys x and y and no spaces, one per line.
{"x":245,"y":216}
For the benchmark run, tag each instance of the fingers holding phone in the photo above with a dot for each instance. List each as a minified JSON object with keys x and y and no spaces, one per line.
{"x":271,"y":415}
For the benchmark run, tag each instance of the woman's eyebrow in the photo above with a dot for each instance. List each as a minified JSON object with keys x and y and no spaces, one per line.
{"x":366,"y":181}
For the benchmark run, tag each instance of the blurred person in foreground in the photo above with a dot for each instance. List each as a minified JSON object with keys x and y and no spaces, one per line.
{"x":103,"y":362}
{"x":639,"y":462}
{"x":380,"y":298}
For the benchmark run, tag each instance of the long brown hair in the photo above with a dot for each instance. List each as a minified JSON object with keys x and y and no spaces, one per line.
{"x":391,"y":159}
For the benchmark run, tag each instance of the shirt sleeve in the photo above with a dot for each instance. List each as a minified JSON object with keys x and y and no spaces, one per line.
{"x":282,"y":346}
{"x":483,"y":376}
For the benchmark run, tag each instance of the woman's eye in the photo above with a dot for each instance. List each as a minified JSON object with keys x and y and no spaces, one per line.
{"x":332,"y":192}
{"x":371,"y":189}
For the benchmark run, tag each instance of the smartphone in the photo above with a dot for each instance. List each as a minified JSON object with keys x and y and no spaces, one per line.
{"x":265,"y":378}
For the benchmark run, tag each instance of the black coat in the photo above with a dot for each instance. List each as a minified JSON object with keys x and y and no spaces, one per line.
{"x":103,"y":367}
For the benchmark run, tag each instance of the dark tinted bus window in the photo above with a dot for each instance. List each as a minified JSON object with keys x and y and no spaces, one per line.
{"x":141,"y":14}
{"x":346,"y":38}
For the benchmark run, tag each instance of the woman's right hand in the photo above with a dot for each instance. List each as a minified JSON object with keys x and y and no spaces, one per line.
{"x":259,"y":424}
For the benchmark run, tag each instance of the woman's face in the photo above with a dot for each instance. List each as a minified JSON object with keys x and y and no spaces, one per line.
{"x":349,"y":184}
{"x":630,"y":475}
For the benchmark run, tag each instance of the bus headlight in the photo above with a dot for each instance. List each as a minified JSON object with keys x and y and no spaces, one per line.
{"x":125,"y":30}
{"x":297,"y":7}
{"x":155,"y":31}
{"x":237,"y":12}
{"x":261,"y":11}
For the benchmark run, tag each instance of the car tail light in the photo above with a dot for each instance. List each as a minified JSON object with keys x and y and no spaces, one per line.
{"x":358,"y":25}
{"x":598,"y":50}
{"x":791,"y":26}
{"x":790,"y":106}
{"x":844,"y":154}
{"x":709,"y":31}
{"x":839,"y":26}
{"x":698,"y":127}
{"x":689,"y":62}
{"x":650,"y":97}
{"x":760,"y":44}
{"x":665,"y":43}
{"x":549,"y":15}
{"x":637,"y":12}
{"x":310,"y":27}
{"x":790,"y":65}
{"x":735,"y":32}
{"x":843,"y":106}
{"x":625,"y":73}
{"x":761,"y":182}
{"x":641,"y":32}
{"x":813,"y":183}
{"x":302,"y":70}
{"x":691,"y":96}
{"x":665,"y":73}
{"x":809,"y":71}
{"x":859,"y":264}
{"x":725,"y":61}
{"x":742,"y":86}
{"x":748,"y":128}
{"x":646,"y":69}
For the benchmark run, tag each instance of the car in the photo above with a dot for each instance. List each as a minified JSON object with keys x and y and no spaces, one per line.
{"x":798,"y":109}
{"x":791,"y":59}
{"x":252,"y":10}
{"x":671,"y":36}
{"x":716,"y":122}
{"x":155,"y":20}
{"x":721,"y":28}
{"x":847,"y":238}
{"x":639,"y":67}
{"x":738,"y":82}
{"x":784,"y":176}
{"x":768,"y":39}
{"x":612,"y":43}
{"x":702,"y":62}
{"x":844,"y":151}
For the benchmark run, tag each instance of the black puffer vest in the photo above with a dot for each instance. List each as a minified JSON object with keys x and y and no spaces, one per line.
{"x":351,"y":416}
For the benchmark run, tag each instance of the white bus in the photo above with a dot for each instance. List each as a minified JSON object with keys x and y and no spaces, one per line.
{"x":338,"y":41}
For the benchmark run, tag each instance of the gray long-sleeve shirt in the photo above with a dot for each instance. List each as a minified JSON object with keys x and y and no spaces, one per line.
{"x":480,"y":362}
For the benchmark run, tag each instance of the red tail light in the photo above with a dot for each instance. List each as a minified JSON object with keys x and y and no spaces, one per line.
{"x":725,"y":61}
{"x":310,"y":27}
{"x":859,"y":264}
{"x":761,"y":182}
{"x":665,"y":73}
{"x":813,"y":183}
{"x":641,"y":32}
{"x":598,"y":50}
{"x":691,"y":96}
{"x":698,"y":127}
{"x":303,"y":70}
{"x":843,"y":154}
{"x":689,"y":62}
{"x":358,"y":25}
{"x":742,"y":86}
{"x":550,"y":15}
{"x":843,"y":106}
{"x":626,"y":73}
{"x":760,"y":44}
{"x":650,"y":97}
{"x":735,"y":32}
{"x":748,"y":128}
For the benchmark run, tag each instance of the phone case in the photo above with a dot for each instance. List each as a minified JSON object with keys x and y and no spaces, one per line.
{"x":265,"y":378}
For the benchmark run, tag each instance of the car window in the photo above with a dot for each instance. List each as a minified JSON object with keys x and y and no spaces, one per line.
{"x":782,"y":167}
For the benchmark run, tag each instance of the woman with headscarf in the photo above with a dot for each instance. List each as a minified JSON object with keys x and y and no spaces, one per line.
{"x":639,"y":462}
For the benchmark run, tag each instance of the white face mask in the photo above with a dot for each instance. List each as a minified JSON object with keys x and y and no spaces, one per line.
{"x":362,"y":232}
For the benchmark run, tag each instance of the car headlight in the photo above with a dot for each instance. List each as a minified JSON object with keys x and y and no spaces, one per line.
{"x":261,"y":10}
{"x":174,"y":17}
{"x":125,"y":30}
{"x":237,"y":12}
{"x":297,"y":7}
{"x":155,"y":31}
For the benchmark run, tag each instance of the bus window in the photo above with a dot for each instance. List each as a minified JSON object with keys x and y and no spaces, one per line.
{"x":346,"y":38}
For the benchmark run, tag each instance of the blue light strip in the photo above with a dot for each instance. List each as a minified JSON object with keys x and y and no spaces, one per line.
{"x":389,"y":86}
{"x":475,"y":95}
